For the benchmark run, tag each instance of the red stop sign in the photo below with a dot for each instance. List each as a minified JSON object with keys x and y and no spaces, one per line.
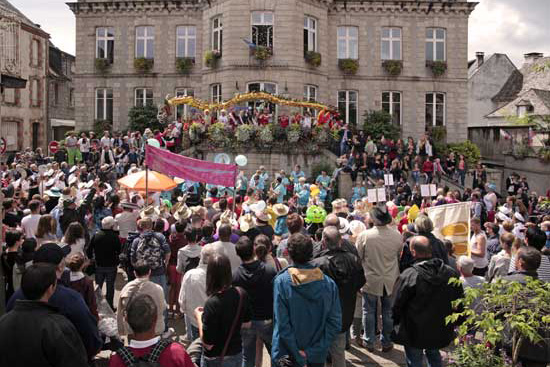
{"x":54,"y":147}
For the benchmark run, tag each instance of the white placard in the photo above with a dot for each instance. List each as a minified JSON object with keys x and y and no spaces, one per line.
{"x":388,"y":179}
{"x":371,"y":196}
{"x":425,"y":190}
{"x":433,"y":190}
{"x":381,"y":194}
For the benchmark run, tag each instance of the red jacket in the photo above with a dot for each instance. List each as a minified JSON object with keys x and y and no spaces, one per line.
{"x":173,"y":355}
{"x":428,"y":167}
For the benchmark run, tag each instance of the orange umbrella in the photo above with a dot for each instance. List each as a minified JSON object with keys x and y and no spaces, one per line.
{"x":157,"y":182}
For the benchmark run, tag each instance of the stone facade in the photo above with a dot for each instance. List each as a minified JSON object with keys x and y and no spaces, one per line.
{"x":60,"y":93}
{"x":287,"y":67}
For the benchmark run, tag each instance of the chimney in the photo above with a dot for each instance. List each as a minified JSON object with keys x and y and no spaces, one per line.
{"x":531,"y":57}
{"x":480,"y":57}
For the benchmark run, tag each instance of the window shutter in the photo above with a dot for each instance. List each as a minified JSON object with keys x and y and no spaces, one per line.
{"x":17,"y":98}
{"x":39,"y":94}
{"x":39,"y":61}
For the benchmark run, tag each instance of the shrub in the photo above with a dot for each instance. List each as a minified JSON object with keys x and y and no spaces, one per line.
{"x":102,"y":65}
{"x":142,"y":117}
{"x":263,"y":53}
{"x":438,"y":67}
{"x":102,"y":125}
{"x":544,"y":154}
{"x":294,"y":132}
{"x":469,"y":150}
{"x":320,"y":134}
{"x":318,"y":167}
{"x":313,"y":58}
{"x":217,"y":134}
{"x":211,"y":58}
{"x":378,"y":123}
{"x":348,"y":66}
{"x":392,"y":67}
{"x":244,"y":133}
{"x":143,"y":65}
{"x":265,"y":134}
{"x":185,"y":64}
{"x":195,"y":132}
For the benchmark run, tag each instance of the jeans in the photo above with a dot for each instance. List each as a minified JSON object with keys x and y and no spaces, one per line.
{"x":259,"y":328}
{"x":416,"y":177}
{"x":192,"y":332}
{"x":161,"y":280}
{"x":108,"y":274}
{"x":338,"y":350}
{"x":369,"y":319}
{"x":462,"y":176}
{"x":414,"y":357}
{"x":228,"y":361}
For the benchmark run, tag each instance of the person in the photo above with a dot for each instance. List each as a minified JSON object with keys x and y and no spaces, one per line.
{"x":46,"y":230}
{"x":225,"y":312}
{"x":527,"y":261}
{"x":225,"y":246}
{"x":69,"y":302}
{"x":345,"y":269}
{"x":500,"y":262}
{"x":465,"y":268}
{"x":80,"y":282}
{"x":493,"y":242}
{"x":74,"y":241}
{"x":306,"y":309}
{"x":256,"y":278}
{"x":14,"y":240}
{"x":379,"y":249}
{"x":535,"y":238}
{"x":478,"y":247}
{"x":29,"y":223}
{"x":141,"y":285}
{"x":127,"y":220}
{"x":177,"y":240}
{"x":105,"y":248}
{"x":424,"y":227}
{"x":35,"y":333}
{"x":423,"y":299}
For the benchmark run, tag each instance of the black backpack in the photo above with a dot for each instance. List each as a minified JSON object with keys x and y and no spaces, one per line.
{"x":148,"y":360}
{"x":190,"y":263}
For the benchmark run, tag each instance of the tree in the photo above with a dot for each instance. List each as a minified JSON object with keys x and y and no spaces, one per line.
{"x":142,"y":117}
{"x":378,"y":123}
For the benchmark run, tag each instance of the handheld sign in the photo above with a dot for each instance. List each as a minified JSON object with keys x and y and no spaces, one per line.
{"x":381,"y":194}
{"x":388,"y":179}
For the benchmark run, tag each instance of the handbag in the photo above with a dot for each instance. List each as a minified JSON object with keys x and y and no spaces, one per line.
{"x":234,"y":325}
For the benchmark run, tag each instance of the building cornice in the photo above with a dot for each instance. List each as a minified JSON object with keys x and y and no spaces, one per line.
{"x":402,"y":7}
{"x":147,"y":6}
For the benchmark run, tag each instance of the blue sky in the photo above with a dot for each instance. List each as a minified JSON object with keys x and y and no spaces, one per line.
{"x":513,"y":27}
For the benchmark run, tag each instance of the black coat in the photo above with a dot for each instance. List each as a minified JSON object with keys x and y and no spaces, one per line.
{"x":105,"y":248}
{"x":438,"y":248}
{"x":36,"y":334}
{"x":422,"y":301}
{"x":69,"y":216}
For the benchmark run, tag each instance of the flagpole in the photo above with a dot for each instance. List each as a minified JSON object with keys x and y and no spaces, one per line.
{"x":234,"y":195}
{"x":146,"y":185}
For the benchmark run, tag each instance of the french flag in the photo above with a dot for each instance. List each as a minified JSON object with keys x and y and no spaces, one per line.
{"x":505,"y":134}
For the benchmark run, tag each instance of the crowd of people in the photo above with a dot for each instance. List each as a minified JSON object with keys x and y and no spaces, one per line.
{"x":280,"y":261}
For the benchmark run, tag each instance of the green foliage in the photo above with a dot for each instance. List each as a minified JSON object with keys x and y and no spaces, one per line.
{"x":211,"y":58}
{"x":101,"y":126}
{"x":378,"y":123}
{"x":469,"y":150}
{"x":143,"y":65}
{"x":318,"y":167}
{"x":439,"y":133}
{"x":320,"y":134}
{"x":520,"y":150}
{"x":102,"y":65}
{"x":471,"y":354}
{"x":392,"y":67}
{"x":217,"y":134}
{"x":294,"y":132}
{"x":244,"y":133}
{"x":313,"y":58}
{"x":348,"y":66}
{"x":438,"y":67}
{"x":263,"y":53}
{"x":142,"y":117}
{"x":265,"y":134}
{"x":195,"y":132}
{"x":185,"y":64}
{"x":544,"y":154}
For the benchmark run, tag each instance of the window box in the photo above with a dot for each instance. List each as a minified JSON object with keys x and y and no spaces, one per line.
{"x":185,"y":64}
{"x":262,"y":53}
{"x":313,"y":58}
{"x":392,"y":67}
{"x":438,"y":67}
{"x":348,"y":66}
{"x":143,"y":65}
{"x":102,"y":65}
{"x":211,"y":58}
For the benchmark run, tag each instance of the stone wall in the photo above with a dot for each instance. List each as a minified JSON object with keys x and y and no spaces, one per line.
{"x":536,"y":171}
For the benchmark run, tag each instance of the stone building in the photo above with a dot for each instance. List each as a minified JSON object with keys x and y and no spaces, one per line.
{"x":23,"y":64}
{"x":60,"y":93}
{"x":411,"y":35}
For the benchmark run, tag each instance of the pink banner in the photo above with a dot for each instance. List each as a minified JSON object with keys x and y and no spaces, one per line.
{"x":176,"y":165}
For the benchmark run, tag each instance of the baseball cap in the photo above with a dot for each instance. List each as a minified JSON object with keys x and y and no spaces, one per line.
{"x":50,"y":253}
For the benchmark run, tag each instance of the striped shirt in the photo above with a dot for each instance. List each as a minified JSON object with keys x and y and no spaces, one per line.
{"x":543,"y":271}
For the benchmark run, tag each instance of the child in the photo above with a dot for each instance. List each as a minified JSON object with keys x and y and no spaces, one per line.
{"x":80,"y":282}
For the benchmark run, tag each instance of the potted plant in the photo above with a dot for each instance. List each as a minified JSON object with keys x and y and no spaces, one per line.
{"x":102,"y":65}
{"x":348,"y":66}
{"x":211,"y":58}
{"x":262,"y":53}
{"x":438,"y":67}
{"x":185,"y":64}
{"x":313,"y":58}
{"x":294,"y":132}
{"x":265,"y":135}
{"x":392,"y":67}
{"x":143,"y":65}
{"x":244,"y":133}
{"x":217,"y":134}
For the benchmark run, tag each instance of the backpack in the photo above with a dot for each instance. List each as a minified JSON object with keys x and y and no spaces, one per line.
{"x":148,"y":360}
{"x":149,"y":249}
{"x":124,"y":256}
{"x":190,"y":263}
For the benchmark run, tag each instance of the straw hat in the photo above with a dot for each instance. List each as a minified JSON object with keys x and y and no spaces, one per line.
{"x":183,"y":212}
{"x":227,"y":217}
{"x":262,"y":216}
{"x":246,"y":222}
{"x":147,"y":212}
{"x":280,"y":210}
{"x":53,"y":192}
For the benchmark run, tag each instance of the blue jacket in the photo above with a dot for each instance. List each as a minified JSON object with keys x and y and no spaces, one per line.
{"x":307,"y":314}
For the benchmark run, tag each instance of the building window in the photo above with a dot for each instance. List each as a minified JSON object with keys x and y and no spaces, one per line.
{"x":35,"y":93}
{"x":9,"y":96}
{"x":35,"y":52}
{"x":186,"y":40}
{"x":55,"y":94}
{"x":347,"y":42}
{"x":183,"y":111}
{"x":310,"y":34}
{"x":391,"y":44}
{"x":216,"y":93}
{"x":347,"y":106}
{"x":104,"y":104}
{"x":71,"y":97}
{"x":391,"y":103}
{"x":435,"y":109}
{"x":262,"y":87}
{"x":145,"y":42}
{"x":262,"y":28}
{"x":435,"y":44}
{"x":310,"y":93}
{"x":143,"y":97}
{"x":105,"y":43}
{"x":217,"y":34}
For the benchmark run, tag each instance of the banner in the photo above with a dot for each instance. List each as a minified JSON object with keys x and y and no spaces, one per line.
{"x":452,"y":222}
{"x":176,"y":165}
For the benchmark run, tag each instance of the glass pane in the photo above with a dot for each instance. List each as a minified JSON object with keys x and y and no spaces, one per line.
{"x":215,"y":42}
{"x":440,"y":33}
{"x":396,"y":113}
{"x":439,"y":113}
{"x":353,"y":113}
{"x":385,"y":32}
{"x":396,"y":97}
{"x":110,"y":50}
{"x":191,"y":48}
{"x":151,"y":31}
{"x":440,"y":51}
{"x":268,"y":18}
{"x":109,"y":115}
{"x":254,"y":87}
{"x":353,"y":31}
{"x":429,"y":33}
{"x":191,"y":31}
{"x":256,"y":17}
{"x":342,"y":49}
{"x":342,"y":96}
{"x":140,"y":51}
{"x":385,"y":97}
{"x":313,"y":42}
{"x":341,"y":31}
{"x":313,"y":94}
{"x":440,"y":98}
{"x":385,"y":50}
{"x":429,"y":98}
{"x":99,"y":93}
{"x":353,"y":49}
{"x":180,"y":31}
{"x":100,"y":50}
{"x":150,"y":49}
{"x":306,"y":40}
{"x":396,"y":32}
{"x":429,"y":51}
{"x":140,"y":31}
{"x":110,"y":93}
{"x":110,"y":32}
{"x":181,"y":48}
{"x":215,"y":23}
{"x":149,"y":93}
{"x":386,"y":107}
{"x":306,"y":22}
{"x":396,"y":50}
{"x":270,"y":88}
{"x":352,"y":96}
{"x":100,"y":32}
{"x":306,"y":92}
{"x":312,"y":23}
{"x":429,"y":112}
{"x":99,"y":109}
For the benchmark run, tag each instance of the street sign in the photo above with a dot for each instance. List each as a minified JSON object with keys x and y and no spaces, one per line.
{"x":54,"y":147}
{"x":3,"y":145}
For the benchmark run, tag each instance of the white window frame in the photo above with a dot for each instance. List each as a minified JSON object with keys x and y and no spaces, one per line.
{"x":391,"y":104}
{"x":347,"y":102}
{"x":182,"y":92}
{"x":35,"y":89}
{"x":310,"y":26}
{"x":105,"y":41}
{"x":434,"y":107}
{"x":390,"y":40}
{"x":307,"y":92}
{"x":146,"y":37}
{"x":105,"y":99}
{"x":254,"y":104}
{"x":434,"y":41}
{"x":263,"y":22}
{"x":140,"y":94}
{"x":187,"y":39}
{"x":216,"y":92}
{"x":348,"y":38}
{"x":217,"y":33}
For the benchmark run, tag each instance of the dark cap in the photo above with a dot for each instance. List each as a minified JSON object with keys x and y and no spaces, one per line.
{"x":50,"y":253}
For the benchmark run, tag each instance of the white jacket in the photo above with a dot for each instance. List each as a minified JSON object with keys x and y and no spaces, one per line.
{"x":193,"y":292}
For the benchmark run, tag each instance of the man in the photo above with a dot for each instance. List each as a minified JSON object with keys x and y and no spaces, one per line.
{"x":105,"y":248}
{"x":527,"y":262}
{"x":424,"y":227}
{"x":332,"y":220}
{"x":29,"y":223}
{"x":493,"y":243}
{"x":69,"y":303}
{"x":153,"y":249}
{"x":536,"y":238}
{"x":225,"y":246}
{"x":256,"y":278}
{"x":71,"y":144}
{"x":127,"y":220}
{"x":345,"y":269}
{"x":379,"y":249}
{"x":306,"y":310}
{"x":297,"y":173}
{"x":106,"y":140}
{"x":141,"y":315}
{"x":465,"y":267}
{"x":141,"y":285}
{"x":34,"y":333}
{"x":71,"y":213}
{"x":423,"y":299}
{"x":500,"y":263}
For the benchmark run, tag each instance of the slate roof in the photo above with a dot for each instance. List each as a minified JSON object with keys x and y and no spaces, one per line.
{"x":7,"y":5}
{"x":510,"y":89}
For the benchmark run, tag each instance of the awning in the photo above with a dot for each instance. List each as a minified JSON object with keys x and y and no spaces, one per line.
{"x":9,"y":81}
{"x":62,"y":123}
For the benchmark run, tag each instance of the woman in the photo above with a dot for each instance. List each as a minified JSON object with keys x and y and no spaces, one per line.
{"x":80,"y":283}
{"x":416,"y":174}
{"x":225,"y":312}
{"x":84,"y":146}
{"x":263,"y":250}
{"x":74,"y":237}
{"x":461,"y":169}
{"x":100,"y":211}
{"x":45,"y":232}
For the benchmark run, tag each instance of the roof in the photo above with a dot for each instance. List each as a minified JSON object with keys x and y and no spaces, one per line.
{"x":7,"y":5}
{"x":510,"y":89}
{"x":538,"y":98}
{"x":544,"y":96}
